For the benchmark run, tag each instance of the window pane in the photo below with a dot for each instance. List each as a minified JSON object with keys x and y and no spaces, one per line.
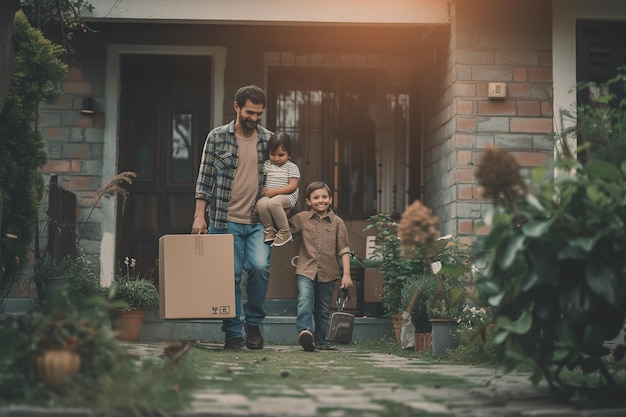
{"x":181,"y":148}
{"x":351,"y":131}
{"x":144,"y":136}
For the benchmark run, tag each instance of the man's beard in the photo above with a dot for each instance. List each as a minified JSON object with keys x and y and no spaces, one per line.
{"x":247,"y":124}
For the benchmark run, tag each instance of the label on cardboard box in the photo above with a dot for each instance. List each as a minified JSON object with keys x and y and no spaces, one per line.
{"x":196,"y":276}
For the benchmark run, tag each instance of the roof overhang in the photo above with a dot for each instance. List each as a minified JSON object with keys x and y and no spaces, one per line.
{"x":358,"y":12}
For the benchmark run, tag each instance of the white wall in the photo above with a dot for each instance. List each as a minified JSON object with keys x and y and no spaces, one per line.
{"x":565,"y":13}
{"x":273,"y":11}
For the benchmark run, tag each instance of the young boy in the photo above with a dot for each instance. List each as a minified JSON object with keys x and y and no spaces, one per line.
{"x":324,"y":240}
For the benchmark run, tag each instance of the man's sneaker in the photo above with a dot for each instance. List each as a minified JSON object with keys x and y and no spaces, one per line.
{"x":282,"y":238}
{"x":236,"y":343}
{"x":254,"y":340}
{"x":270,"y":235}
{"x":306,"y":341}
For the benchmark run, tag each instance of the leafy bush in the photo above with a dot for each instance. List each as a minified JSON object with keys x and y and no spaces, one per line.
{"x":39,"y":70}
{"x":567,"y":227}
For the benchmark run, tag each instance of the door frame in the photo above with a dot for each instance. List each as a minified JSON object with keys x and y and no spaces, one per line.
{"x":111,"y":128}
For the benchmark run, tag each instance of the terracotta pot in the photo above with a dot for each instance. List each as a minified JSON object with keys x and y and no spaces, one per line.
{"x":423,"y":342}
{"x":128,"y":324}
{"x":56,"y":366}
{"x":397,"y":321}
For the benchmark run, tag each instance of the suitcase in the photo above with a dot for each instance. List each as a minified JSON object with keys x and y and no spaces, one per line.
{"x":341,"y":324}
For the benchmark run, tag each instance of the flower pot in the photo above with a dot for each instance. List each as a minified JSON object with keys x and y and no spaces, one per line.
{"x":53,"y":291}
{"x":128,"y":324}
{"x":423,"y":342}
{"x":444,"y":333}
{"x":397,"y":321}
{"x":56,"y":366}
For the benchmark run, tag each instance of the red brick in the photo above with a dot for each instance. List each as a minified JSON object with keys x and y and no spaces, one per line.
{"x":464,"y":90}
{"x":465,"y":124}
{"x":465,"y":175}
{"x":519,"y":90}
{"x":520,"y":74}
{"x":545,"y":59}
{"x":464,"y":106}
{"x":56,"y":165}
{"x":77,"y":166}
{"x":464,"y":192}
{"x":81,"y":151}
{"x":531,"y":125}
{"x":528,"y":108}
{"x":546,"y":108}
{"x":540,"y":74}
{"x":464,"y":141}
{"x":464,"y":158}
{"x":481,"y":230}
{"x":75,"y":73}
{"x":496,"y":107}
{"x":530,"y":159}
{"x":53,"y":133}
{"x":466,"y":227}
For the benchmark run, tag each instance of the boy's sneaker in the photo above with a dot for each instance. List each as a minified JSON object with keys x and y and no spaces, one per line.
{"x":236,"y":343}
{"x":306,"y":340}
{"x":282,"y":238}
{"x":270,"y":235}
{"x":326,"y":346}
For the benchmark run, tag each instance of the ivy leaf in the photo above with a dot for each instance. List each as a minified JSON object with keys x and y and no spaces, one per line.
{"x":511,"y":245}
{"x":537,"y":228}
{"x":602,"y":281}
{"x":602,"y":169}
{"x":520,"y":326}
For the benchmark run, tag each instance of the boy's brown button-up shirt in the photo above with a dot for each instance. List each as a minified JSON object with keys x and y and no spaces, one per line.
{"x":324,"y":240}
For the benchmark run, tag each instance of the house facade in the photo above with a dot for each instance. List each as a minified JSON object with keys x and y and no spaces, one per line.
{"x":386,"y":102}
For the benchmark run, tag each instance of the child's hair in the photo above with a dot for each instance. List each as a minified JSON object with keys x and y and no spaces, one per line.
{"x":277,"y":140}
{"x":316,"y":185}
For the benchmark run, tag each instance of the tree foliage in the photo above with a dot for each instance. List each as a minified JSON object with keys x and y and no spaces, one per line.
{"x":39,"y":70}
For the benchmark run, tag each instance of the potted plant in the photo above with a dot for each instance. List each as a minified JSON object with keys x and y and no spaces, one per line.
{"x":60,"y":342}
{"x":52,"y":279}
{"x":450,"y":264}
{"x":138,"y":294}
{"x":565,"y":224}
{"x":395,"y":270}
{"x":417,"y":295}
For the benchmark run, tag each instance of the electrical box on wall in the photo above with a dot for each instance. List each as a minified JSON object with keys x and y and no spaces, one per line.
{"x":497,"y":90}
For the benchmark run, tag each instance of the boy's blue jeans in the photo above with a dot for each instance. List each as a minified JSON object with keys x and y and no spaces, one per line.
{"x":253,"y":255}
{"x":314,"y":299}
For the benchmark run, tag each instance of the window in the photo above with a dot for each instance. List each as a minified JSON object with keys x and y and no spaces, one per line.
{"x":350,"y":129}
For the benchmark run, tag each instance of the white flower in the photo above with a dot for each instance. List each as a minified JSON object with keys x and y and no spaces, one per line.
{"x":446,"y":237}
{"x":435,"y":267}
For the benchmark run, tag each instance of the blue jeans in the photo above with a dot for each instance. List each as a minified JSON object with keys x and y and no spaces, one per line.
{"x":314,"y":299}
{"x":253,"y":255}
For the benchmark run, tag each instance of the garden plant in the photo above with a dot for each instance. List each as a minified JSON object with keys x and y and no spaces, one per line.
{"x":566,"y":228}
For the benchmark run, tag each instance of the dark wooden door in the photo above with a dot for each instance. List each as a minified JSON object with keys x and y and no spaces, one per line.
{"x":164,"y":117}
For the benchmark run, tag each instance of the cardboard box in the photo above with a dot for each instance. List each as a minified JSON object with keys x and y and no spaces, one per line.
{"x":196,"y":277}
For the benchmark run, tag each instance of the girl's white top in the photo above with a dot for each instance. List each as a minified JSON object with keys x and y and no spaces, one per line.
{"x":278,"y":176}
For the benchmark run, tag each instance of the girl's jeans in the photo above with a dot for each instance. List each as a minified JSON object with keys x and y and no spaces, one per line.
{"x":253,"y":255}
{"x":314,"y":306}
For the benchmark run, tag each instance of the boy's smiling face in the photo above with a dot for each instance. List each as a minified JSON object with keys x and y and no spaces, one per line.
{"x":319,"y":201}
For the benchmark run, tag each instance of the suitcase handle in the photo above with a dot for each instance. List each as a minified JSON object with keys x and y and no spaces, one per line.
{"x":342,"y":299}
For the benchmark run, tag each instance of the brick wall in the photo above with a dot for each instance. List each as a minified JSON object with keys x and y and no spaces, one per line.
{"x":74,"y":141}
{"x":489,"y":41}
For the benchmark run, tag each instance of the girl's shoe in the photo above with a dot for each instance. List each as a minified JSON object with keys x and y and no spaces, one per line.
{"x":270,"y":235}
{"x":282,"y":238}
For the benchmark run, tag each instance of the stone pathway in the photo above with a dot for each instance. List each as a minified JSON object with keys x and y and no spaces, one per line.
{"x":496,"y":395}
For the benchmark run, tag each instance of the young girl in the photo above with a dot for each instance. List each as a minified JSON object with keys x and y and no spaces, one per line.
{"x":280,"y":190}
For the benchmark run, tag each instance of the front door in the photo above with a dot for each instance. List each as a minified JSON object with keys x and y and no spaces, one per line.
{"x":164,"y":117}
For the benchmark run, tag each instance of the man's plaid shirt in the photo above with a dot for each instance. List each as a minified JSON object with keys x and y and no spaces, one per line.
{"x":217,"y":171}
